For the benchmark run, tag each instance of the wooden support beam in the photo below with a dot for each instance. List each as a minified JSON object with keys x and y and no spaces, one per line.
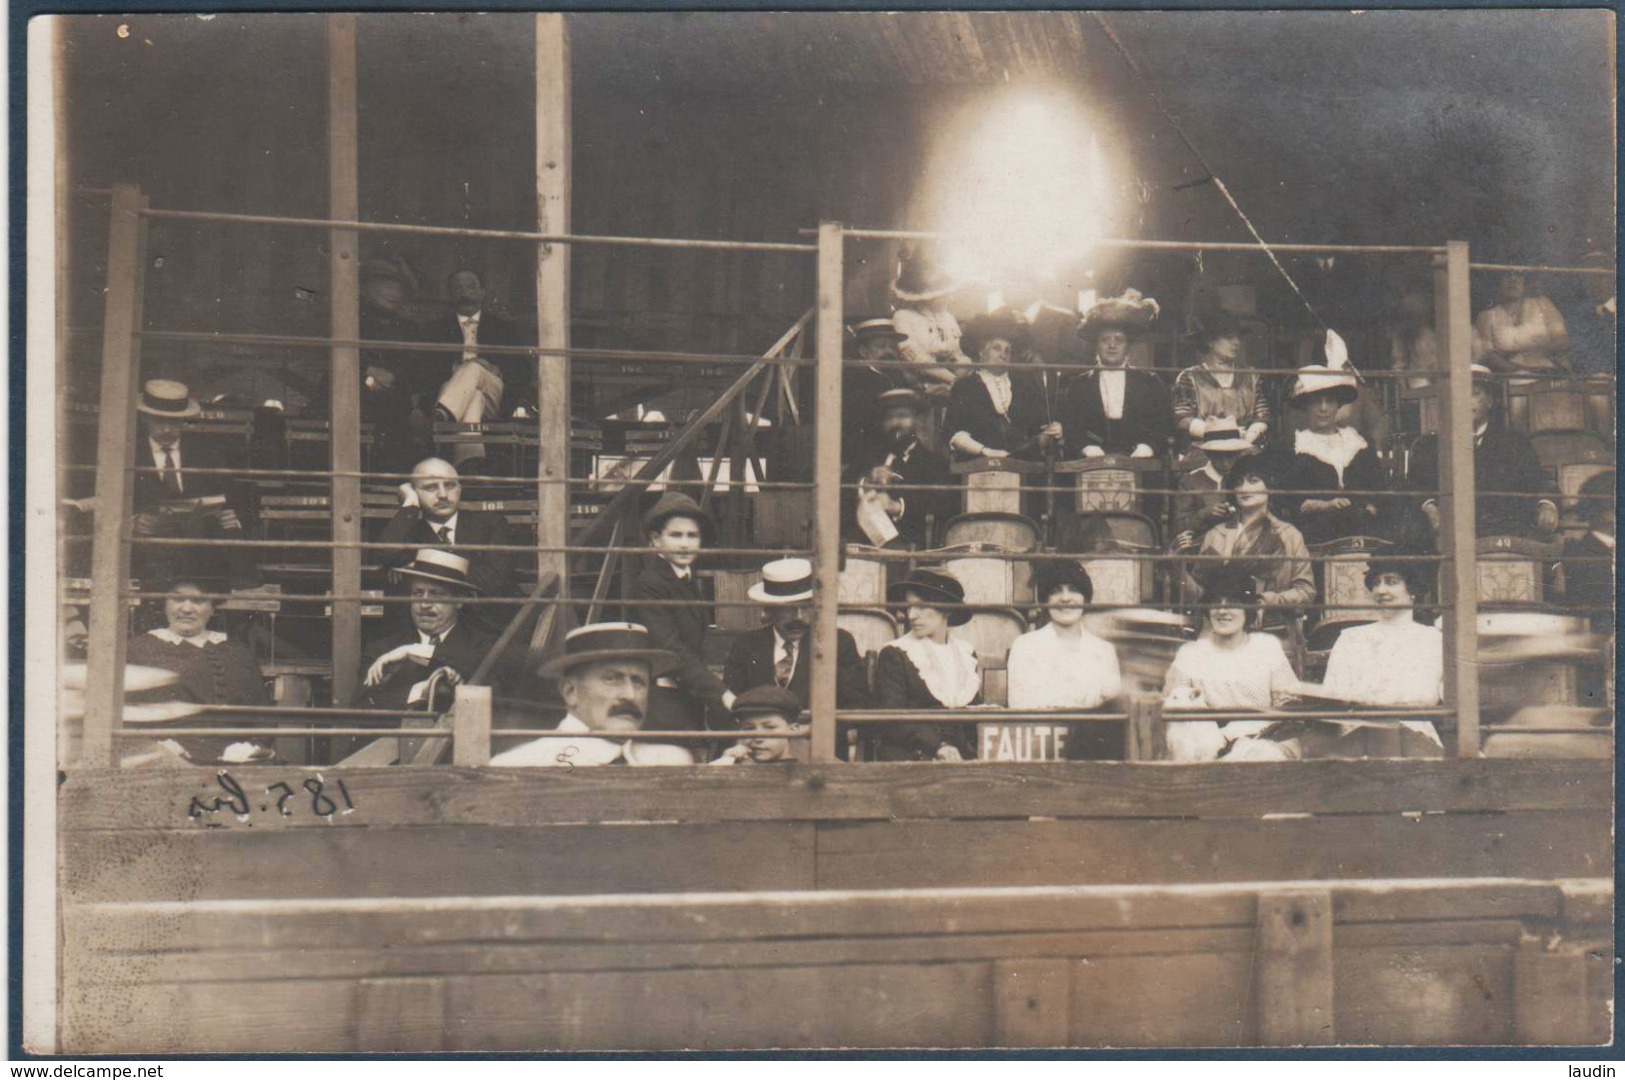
{"x":1548,"y":992}
{"x":1457,"y":504}
{"x":471,"y":726}
{"x":1146,"y":737}
{"x":344,"y":362}
{"x":827,"y":477}
{"x":1294,"y":990}
{"x":553,"y":156}
{"x":115,"y":450}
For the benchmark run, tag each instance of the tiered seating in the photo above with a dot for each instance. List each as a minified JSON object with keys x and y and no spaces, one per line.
{"x":1345,"y":599}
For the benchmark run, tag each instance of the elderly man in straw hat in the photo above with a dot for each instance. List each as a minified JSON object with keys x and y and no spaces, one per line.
{"x":399,"y":665}
{"x":604,"y":675}
{"x":776,"y":654}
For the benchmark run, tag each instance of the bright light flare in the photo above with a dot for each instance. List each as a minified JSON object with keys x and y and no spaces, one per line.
{"x":1024,"y":188}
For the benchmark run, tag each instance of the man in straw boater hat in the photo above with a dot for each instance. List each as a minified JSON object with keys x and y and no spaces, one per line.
{"x":171,"y":499}
{"x":605,"y":674}
{"x":1515,"y":495}
{"x":1202,"y":501}
{"x":883,"y":511}
{"x":399,"y":664}
{"x":678,"y":617}
{"x":930,"y":331}
{"x":1113,"y":409}
{"x":776,"y":654}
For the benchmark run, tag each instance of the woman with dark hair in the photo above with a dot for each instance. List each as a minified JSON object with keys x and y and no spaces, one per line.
{"x":1328,"y":457}
{"x":991,"y":414}
{"x":213,"y":670}
{"x":927,"y":669}
{"x":1114,"y":409}
{"x":1214,"y":390}
{"x":1225,"y":668}
{"x":1258,"y":543}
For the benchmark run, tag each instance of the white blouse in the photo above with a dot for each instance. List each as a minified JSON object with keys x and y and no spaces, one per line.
{"x":1048,"y":671}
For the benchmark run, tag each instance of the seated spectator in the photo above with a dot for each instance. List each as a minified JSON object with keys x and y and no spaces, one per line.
{"x":213,"y":670}
{"x":473,"y":391}
{"x":990,"y":414}
{"x":1391,"y":663}
{"x":604,"y":675}
{"x":927,"y":669}
{"x":862,"y":385}
{"x":1061,"y":665}
{"x":1213,"y":391}
{"x":1113,"y":409}
{"x":776,"y":654}
{"x":1328,"y":457}
{"x":1587,"y":569}
{"x":1202,"y":501}
{"x":1226,"y":668}
{"x":677,"y":529}
{"x":1515,"y":495}
{"x":1258,"y":543}
{"x":392,"y":386}
{"x":1593,"y":322}
{"x":766,"y":709}
{"x":172,"y":500}
{"x":883,"y":511}
{"x":930,"y":331}
{"x":433,"y":516}
{"x":1523,"y":332}
{"x":399,"y":665}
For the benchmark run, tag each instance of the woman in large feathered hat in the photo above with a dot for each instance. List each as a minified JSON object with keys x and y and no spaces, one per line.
{"x":1113,"y":409}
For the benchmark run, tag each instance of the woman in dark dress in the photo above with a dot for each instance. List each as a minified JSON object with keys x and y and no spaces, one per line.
{"x":926,"y":669}
{"x":991,"y":413}
{"x":212,"y":670}
{"x":1328,"y":457}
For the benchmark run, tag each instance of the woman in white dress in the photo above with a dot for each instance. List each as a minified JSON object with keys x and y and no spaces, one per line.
{"x":1226,"y":668}
{"x":1061,"y":665}
{"x":927,"y":669}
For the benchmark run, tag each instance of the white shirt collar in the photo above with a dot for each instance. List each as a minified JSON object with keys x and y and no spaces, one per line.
{"x":158,"y":452}
{"x":466,"y":319}
{"x":781,"y":647}
{"x":450,"y":523}
{"x":208,"y":637}
{"x":1208,"y":470}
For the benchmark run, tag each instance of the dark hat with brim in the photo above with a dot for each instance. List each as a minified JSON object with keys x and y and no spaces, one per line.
{"x":1131,"y":312}
{"x":167,"y":399}
{"x":933,"y":587}
{"x":919,"y":279}
{"x":1049,"y":576}
{"x":676,"y":504}
{"x":901,"y":397}
{"x":767,"y":700}
{"x":600,"y":643}
{"x":869,"y":329}
{"x":1004,"y":323}
{"x":1213,"y":326}
{"x":441,"y":567}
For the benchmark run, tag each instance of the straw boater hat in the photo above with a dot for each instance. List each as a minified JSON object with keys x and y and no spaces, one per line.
{"x":933,"y":586}
{"x":1223,"y":436}
{"x":784,"y":581}
{"x":601,"y":642}
{"x":432,"y":564}
{"x":676,"y":504}
{"x":1006,"y":323}
{"x":919,"y":279}
{"x":168,"y":399}
{"x":1131,"y":312}
{"x":1049,"y":576}
{"x":866,"y":329}
{"x":767,"y":700}
{"x":900,"y":397}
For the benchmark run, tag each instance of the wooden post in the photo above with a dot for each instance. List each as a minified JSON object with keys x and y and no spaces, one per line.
{"x":344,"y":361}
{"x":827,"y":487}
{"x":115,"y":452}
{"x":553,"y":296}
{"x":1146,"y":736}
{"x":1295,"y":969}
{"x":1457,"y":527}
{"x":1549,"y":996}
{"x":471,"y":726}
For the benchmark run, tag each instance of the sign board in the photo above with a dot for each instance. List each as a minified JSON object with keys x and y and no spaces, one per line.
{"x":1021,"y":742}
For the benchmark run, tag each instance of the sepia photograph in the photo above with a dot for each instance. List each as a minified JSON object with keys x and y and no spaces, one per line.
{"x":644,"y":532}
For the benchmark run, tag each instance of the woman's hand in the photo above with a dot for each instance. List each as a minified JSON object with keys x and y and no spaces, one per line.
{"x":994,"y":455}
{"x":945,"y":752}
{"x":1185,"y":540}
{"x":1093,"y":451}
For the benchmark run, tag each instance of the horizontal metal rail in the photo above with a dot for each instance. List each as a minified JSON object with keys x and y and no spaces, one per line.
{"x":1173,"y":245}
{"x":1004,"y":715}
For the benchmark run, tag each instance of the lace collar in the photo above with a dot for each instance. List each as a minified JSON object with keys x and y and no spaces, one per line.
{"x":208,"y":637}
{"x":948,"y":671}
{"x":1336,"y":449}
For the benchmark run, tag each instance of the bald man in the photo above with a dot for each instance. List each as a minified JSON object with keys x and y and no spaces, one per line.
{"x":438,"y":520}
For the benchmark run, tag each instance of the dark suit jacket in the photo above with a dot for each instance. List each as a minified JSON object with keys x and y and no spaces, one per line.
{"x":681,"y":629}
{"x":970,"y":409}
{"x":518,"y":372}
{"x":1148,"y":414}
{"x":750,"y":664}
{"x":916,"y":465}
{"x":1504,"y":461}
{"x":861,"y":416}
{"x":898,"y":686}
{"x":197,"y":452}
{"x":465,"y":645}
{"x":492,"y":571}
{"x":1587,"y":582}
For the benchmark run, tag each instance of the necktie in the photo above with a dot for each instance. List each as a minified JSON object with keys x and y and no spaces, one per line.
{"x":444,"y":532}
{"x":786,"y":666}
{"x":172,"y":475}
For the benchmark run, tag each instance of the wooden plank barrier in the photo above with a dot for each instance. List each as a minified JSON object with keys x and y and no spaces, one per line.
{"x":1426,"y":961}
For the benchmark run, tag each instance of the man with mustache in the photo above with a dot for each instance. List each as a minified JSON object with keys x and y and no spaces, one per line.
{"x":885,"y":511}
{"x":604,"y":676}
{"x":775,"y":655}
{"x":399,"y":664}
